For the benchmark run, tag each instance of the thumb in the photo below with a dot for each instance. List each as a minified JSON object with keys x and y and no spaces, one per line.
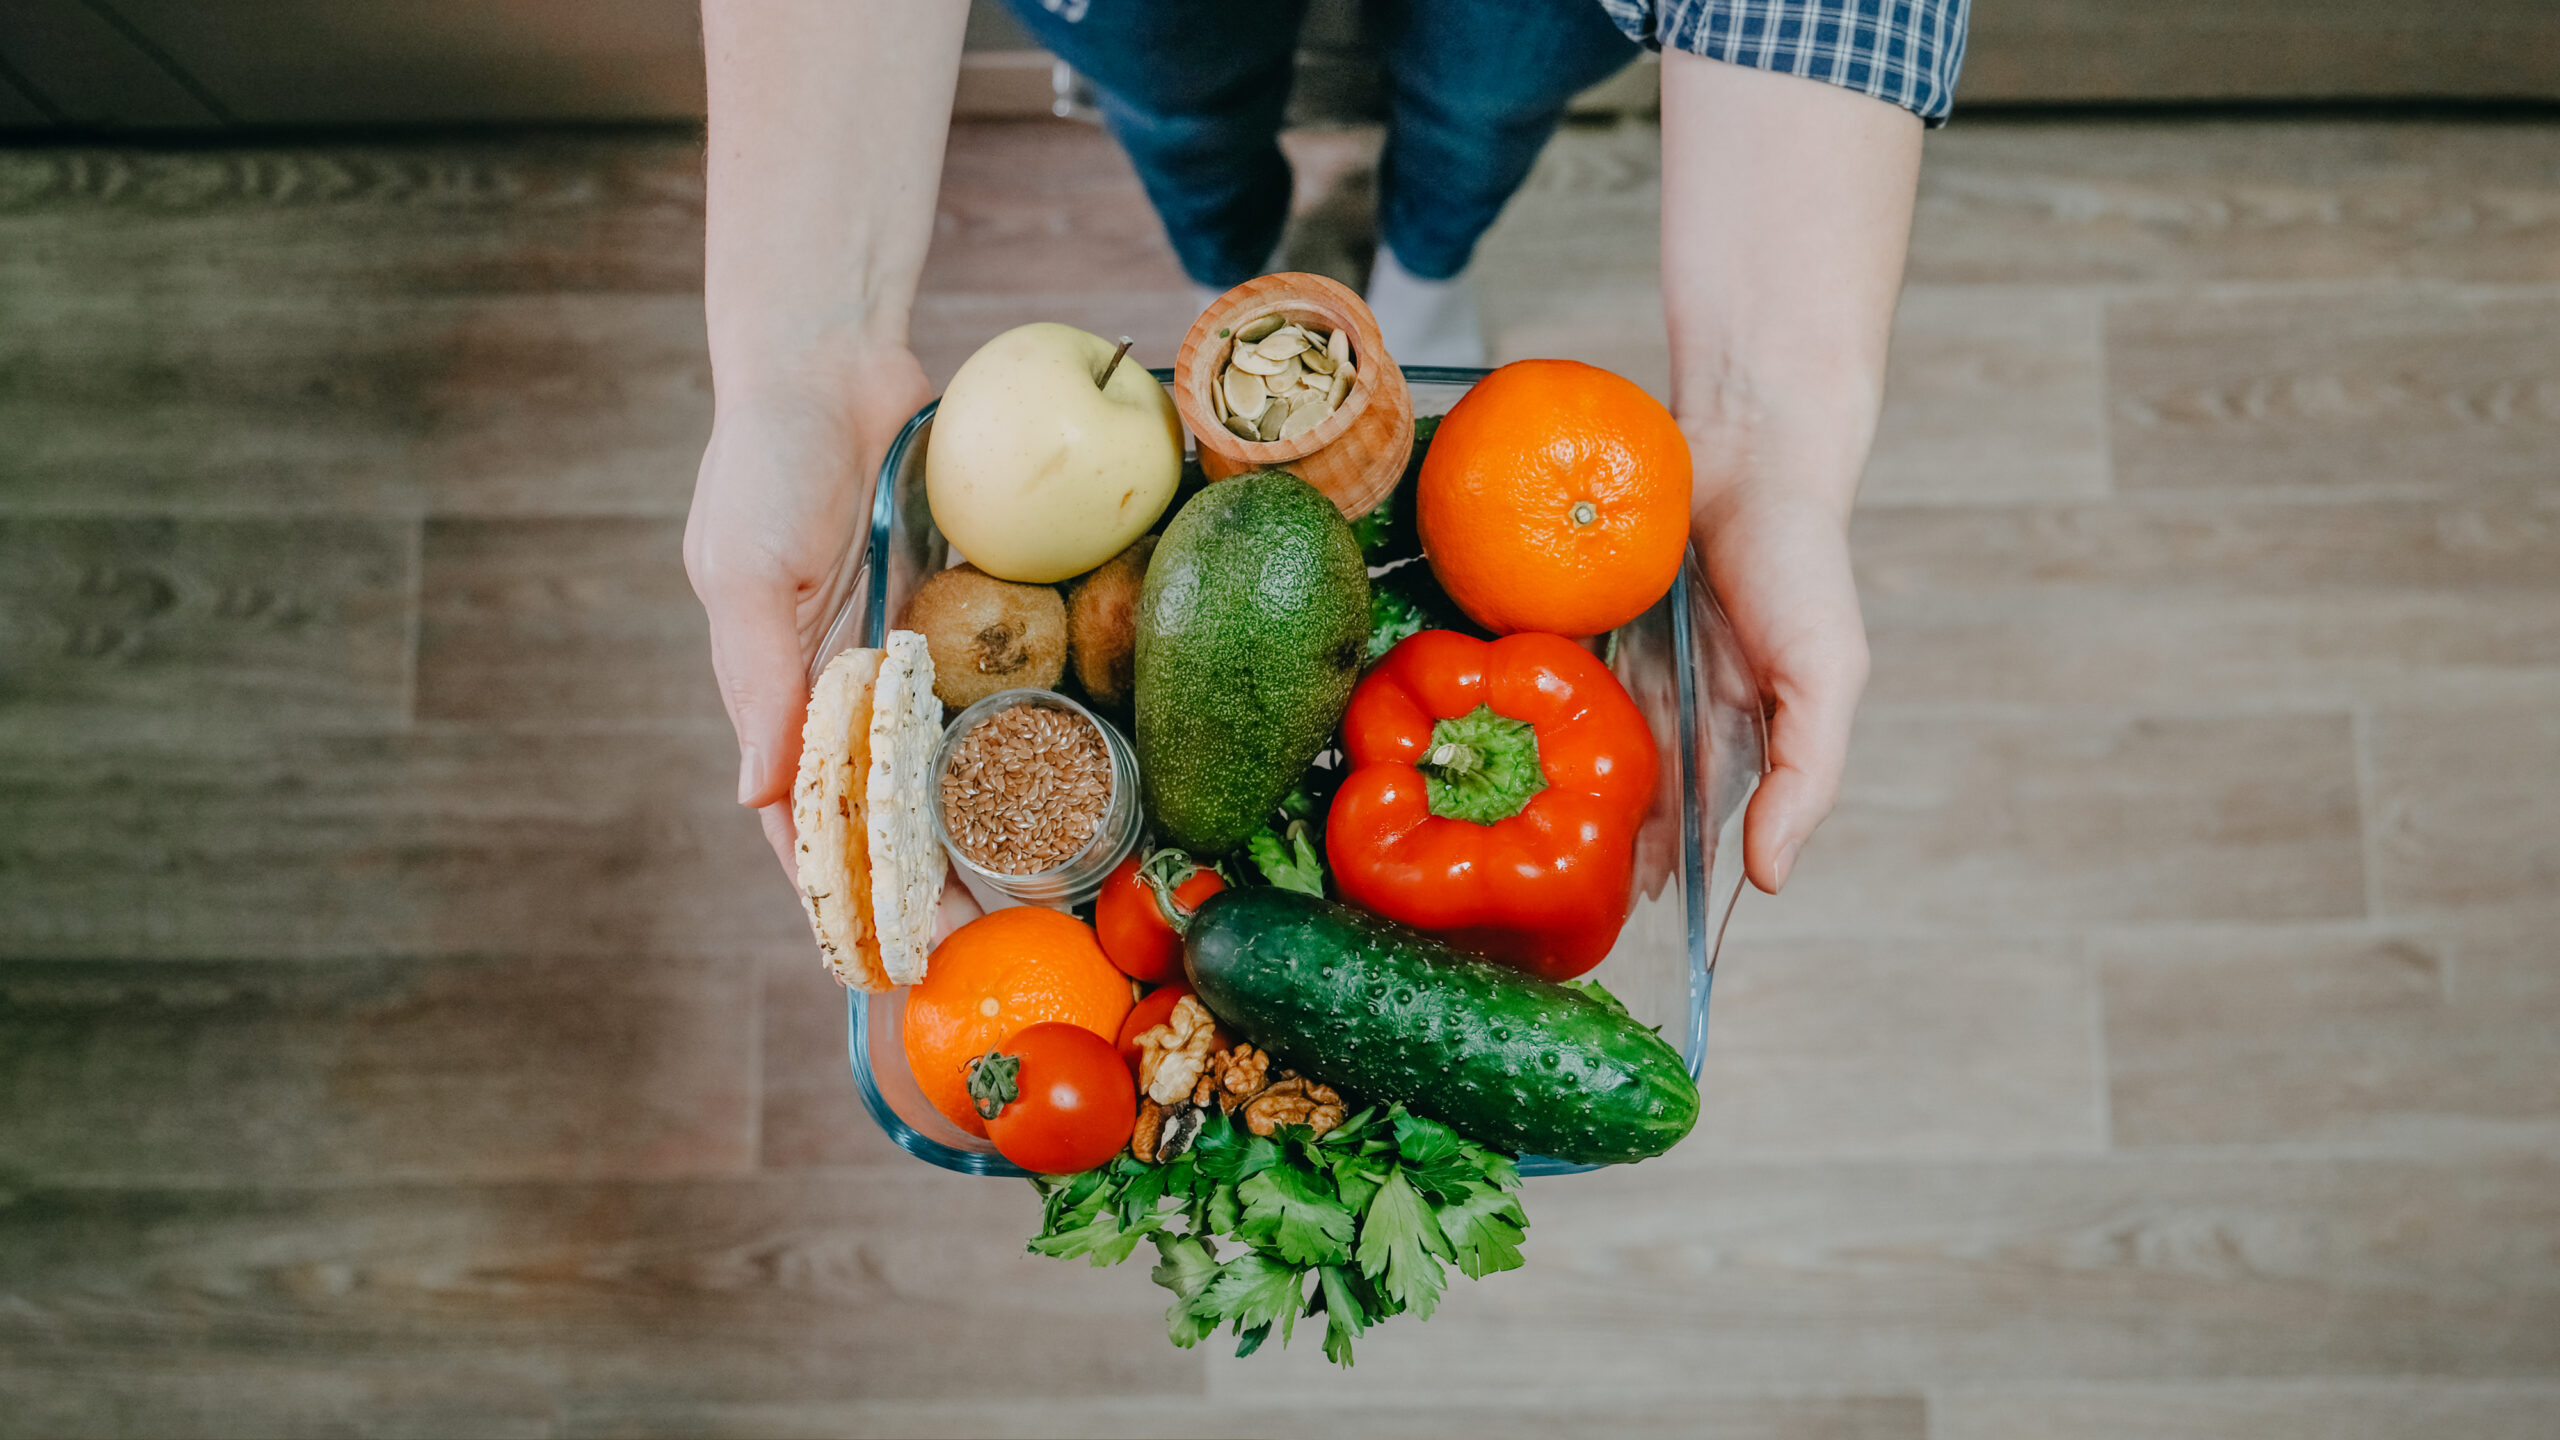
{"x":1809,"y":729}
{"x":755,"y":652}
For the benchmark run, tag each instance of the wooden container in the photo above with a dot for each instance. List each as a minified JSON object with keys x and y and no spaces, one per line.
{"x":1358,"y":453}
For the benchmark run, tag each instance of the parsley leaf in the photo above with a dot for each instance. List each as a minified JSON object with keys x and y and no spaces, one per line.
{"x":1226,"y":1216}
{"x":1102,"y":1237}
{"x":1292,"y":1214}
{"x":1434,"y":1156}
{"x":1599,"y":992}
{"x":1356,"y":1179}
{"x":1289,"y":862}
{"x":1250,"y":1292}
{"x":1235,"y":1155}
{"x":1339,"y":1299}
{"x":1401,"y":1246}
{"x":1484,"y":1227}
{"x":1186,"y":1267}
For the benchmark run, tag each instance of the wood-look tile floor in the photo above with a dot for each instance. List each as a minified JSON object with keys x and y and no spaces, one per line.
{"x":401,"y":1032}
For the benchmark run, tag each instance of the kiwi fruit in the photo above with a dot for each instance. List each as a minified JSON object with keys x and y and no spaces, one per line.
{"x":1102,"y":625}
{"x":988,"y":634}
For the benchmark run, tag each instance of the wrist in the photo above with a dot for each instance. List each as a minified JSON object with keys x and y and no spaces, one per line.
{"x":1755,"y":444}
{"x":791,"y":358}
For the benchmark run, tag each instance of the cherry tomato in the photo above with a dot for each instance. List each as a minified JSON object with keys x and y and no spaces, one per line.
{"x":1130,"y":916}
{"x":1150,"y":1012}
{"x":1062,"y":1101}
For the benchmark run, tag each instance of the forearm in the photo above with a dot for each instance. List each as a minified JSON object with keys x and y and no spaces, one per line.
{"x":1786,"y":210}
{"x":828,"y":119}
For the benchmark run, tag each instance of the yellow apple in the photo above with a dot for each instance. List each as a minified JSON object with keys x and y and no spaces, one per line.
{"x":1035,"y":473}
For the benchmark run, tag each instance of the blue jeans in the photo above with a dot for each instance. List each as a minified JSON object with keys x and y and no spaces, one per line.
{"x":1194,"y":91}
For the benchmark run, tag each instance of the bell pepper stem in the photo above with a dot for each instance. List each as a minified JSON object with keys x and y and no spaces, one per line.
{"x":1482,"y":766}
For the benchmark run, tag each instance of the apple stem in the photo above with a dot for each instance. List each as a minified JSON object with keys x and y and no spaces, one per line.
{"x":1104,"y":379}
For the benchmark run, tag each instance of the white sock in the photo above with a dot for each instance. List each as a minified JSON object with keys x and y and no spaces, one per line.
{"x":1204,"y":296}
{"x":1424,"y":322}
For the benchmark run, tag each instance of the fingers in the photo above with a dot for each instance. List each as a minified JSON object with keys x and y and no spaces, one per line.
{"x":782,"y":835}
{"x":1813,"y":709}
{"x":755,"y":652}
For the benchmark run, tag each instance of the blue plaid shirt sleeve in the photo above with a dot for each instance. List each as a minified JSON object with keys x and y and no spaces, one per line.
{"x":1906,"y":52}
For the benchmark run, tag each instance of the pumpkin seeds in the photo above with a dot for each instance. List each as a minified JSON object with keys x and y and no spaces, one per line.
{"x":1244,"y":392}
{"x":1282,"y":379}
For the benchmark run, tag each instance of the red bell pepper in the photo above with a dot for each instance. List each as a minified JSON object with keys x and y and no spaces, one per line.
{"x":1493,"y":797}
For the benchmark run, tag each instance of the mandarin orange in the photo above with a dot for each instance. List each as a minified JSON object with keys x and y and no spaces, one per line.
{"x":995,"y":977}
{"x":1555,"y":497}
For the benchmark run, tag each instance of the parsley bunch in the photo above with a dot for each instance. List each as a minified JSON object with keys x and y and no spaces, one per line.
{"x":1355,"y":1225}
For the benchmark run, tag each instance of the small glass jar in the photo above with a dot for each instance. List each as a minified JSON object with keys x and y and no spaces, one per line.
{"x":1079,"y":877}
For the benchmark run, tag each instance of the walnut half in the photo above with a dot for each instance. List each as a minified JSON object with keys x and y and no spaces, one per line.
{"x":1164,"y":1131}
{"x":1294,"y":1101}
{"x":1236,"y":1075}
{"x":1174,"y":1055}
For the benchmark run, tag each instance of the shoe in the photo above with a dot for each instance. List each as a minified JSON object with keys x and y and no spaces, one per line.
{"x":1424,"y":322}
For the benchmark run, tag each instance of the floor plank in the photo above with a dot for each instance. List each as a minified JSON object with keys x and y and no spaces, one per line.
{"x":2163,"y":604}
{"x":2428,"y":1036}
{"x":812,"y":1113}
{"x":2265,"y":1410}
{"x":1043,"y":207}
{"x":212,"y":401}
{"x":2187,"y":201}
{"x":561,"y":623}
{"x":112,"y":626}
{"x":1989,"y":821}
{"x":1672,"y":1278}
{"x":170,"y":1393}
{"x":2452,"y":395}
{"x":525,"y":1068}
{"x":437,"y":843}
{"x":2453,"y":826}
{"x":1899,"y":1047}
{"x":2018,"y":201}
{"x":1991,"y":396}
{"x":825,"y":1286}
{"x":1738,"y":1416}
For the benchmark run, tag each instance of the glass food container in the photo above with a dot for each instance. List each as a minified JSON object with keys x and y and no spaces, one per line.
{"x":1679,"y":660}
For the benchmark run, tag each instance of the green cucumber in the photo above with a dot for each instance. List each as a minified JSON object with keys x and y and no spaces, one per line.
{"x":1387,"y":1013}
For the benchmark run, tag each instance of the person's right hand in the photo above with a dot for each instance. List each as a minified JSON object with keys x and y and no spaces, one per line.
{"x":780,"y":516}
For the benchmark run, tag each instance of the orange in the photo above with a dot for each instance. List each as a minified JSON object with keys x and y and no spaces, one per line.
{"x":995,"y":977}
{"x":1555,"y":497}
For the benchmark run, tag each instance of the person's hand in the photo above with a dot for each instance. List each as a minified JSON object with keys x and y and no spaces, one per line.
{"x":779,"y":519}
{"x":1780,"y":567}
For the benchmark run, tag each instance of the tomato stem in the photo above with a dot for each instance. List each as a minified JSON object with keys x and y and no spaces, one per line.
{"x":994,"y":1082}
{"x":1164,"y":872}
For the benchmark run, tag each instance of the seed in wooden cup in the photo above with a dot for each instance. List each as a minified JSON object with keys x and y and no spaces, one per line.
{"x":1304,"y":416}
{"x":1252,"y":361}
{"x":1260,"y":329}
{"x":1245,"y":392}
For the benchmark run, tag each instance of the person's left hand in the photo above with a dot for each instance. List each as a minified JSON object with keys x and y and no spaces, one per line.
{"x":1779,"y":563}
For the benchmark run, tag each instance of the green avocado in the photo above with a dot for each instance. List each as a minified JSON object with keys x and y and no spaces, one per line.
{"x":1251,"y":626}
